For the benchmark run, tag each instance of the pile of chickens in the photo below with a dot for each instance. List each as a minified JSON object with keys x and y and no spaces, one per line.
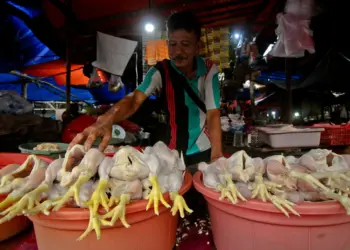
{"x":89,"y":179}
{"x":318,"y":175}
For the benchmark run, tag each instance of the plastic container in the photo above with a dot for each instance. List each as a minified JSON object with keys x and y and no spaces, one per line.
{"x":334,"y":135}
{"x":28,"y":148}
{"x":255,"y":225}
{"x":20,"y":223}
{"x":278,"y":138}
{"x":148,"y":231}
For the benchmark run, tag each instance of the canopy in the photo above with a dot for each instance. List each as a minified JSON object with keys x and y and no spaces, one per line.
{"x":57,"y":69}
{"x":46,"y":18}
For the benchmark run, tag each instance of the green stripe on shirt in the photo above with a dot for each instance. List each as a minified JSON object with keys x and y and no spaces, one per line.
{"x":147,"y":82}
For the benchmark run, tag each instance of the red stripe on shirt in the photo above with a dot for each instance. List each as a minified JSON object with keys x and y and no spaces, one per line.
{"x":171,"y":107}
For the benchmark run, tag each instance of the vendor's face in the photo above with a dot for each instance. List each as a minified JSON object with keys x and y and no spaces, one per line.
{"x":183,"y":47}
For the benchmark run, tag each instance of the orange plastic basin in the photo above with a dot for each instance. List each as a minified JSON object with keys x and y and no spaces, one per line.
{"x":256,"y":225}
{"x":148,"y":231}
{"x":20,"y":223}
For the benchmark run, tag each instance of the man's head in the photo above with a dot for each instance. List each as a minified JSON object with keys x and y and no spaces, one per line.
{"x":184,"y":33}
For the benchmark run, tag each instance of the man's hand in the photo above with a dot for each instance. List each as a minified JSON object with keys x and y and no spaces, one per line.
{"x":102,"y":128}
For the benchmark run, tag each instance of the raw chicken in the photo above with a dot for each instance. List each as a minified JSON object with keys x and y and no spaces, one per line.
{"x":217,"y":176}
{"x":37,"y":175}
{"x":78,"y":175}
{"x":32,"y":198}
{"x":21,"y":172}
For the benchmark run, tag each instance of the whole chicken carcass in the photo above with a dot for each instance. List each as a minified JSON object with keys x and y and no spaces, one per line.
{"x":241,"y":166}
{"x":36,"y":176}
{"x":172,"y":183}
{"x":216,"y":176}
{"x":155,"y":166}
{"x":321,"y":188}
{"x":78,"y":175}
{"x":99,"y":197}
{"x":128,"y":165}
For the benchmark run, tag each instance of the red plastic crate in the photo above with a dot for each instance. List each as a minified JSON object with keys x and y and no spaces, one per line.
{"x":334,"y":135}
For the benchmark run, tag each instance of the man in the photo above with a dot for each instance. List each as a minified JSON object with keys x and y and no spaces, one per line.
{"x":189,"y":94}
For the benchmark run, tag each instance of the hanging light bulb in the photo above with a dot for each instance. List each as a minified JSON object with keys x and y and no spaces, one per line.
{"x":149,"y":27}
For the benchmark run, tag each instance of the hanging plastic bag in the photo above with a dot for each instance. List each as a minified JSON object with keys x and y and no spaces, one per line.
{"x":97,"y":78}
{"x":293,"y":33}
{"x":115,"y":83}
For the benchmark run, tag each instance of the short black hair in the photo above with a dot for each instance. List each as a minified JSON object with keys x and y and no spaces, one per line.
{"x":184,"y":20}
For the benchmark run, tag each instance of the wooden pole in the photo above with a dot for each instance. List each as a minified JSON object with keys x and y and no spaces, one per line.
{"x":68,"y":58}
{"x":289,"y":106}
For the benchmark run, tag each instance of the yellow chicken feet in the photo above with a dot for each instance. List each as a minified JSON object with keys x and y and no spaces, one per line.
{"x":95,"y":223}
{"x":113,"y":201}
{"x":282,"y":205}
{"x":155,"y":196}
{"x":25,"y":204}
{"x":179,"y":204}
{"x":233,"y":189}
{"x":343,"y":199}
{"x":44,"y":207}
{"x":73,"y":191}
{"x":225,"y":193}
{"x":309,"y":179}
{"x":118,"y":212}
{"x":10,"y":200}
{"x":260,"y":188}
{"x":99,"y":197}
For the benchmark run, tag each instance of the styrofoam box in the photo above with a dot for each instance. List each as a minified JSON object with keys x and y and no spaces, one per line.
{"x":301,"y":137}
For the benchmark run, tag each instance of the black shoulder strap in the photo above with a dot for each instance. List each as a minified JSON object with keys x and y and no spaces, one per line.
{"x":182,"y":81}
{"x":194,"y":96}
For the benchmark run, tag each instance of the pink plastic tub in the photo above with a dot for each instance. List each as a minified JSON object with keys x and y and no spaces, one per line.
{"x":255,"y":225}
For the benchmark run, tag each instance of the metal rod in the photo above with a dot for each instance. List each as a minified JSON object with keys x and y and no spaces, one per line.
{"x":68,"y":59}
{"x":36,"y":80}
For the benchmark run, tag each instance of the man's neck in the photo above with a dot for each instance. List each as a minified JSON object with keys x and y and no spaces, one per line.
{"x":190,"y":70}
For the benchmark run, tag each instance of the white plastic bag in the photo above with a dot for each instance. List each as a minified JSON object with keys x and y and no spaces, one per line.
{"x":293,"y":33}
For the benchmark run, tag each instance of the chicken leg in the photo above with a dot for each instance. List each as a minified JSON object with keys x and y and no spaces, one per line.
{"x":87,"y":168}
{"x":99,"y":197}
{"x":175,"y":180}
{"x":229,"y":189}
{"x":20,"y":172}
{"x":26,"y":202}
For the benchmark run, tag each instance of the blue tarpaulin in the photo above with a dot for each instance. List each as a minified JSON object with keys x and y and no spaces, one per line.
{"x":22,"y":49}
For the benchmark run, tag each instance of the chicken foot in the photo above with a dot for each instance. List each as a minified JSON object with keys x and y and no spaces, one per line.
{"x":155,"y":195}
{"x":343,"y":199}
{"x":118,"y":212}
{"x":179,"y":205}
{"x":230,"y":190}
{"x":334,"y":180}
{"x":25,"y":204}
{"x":261,"y":190}
{"x":73,"y":191}
{"x":95,"y":223}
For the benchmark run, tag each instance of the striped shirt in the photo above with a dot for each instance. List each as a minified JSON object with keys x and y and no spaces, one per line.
{"x":206,"y":86}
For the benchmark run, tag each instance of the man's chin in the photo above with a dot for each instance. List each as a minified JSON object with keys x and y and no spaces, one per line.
{"x":180,"y":64}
